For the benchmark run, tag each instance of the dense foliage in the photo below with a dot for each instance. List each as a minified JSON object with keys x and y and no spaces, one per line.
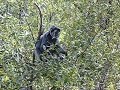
{"x":90,"y":32}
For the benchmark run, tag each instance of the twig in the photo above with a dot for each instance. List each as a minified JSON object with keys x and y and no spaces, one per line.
{"x":83,"y":52}
{"x":30,"y":30}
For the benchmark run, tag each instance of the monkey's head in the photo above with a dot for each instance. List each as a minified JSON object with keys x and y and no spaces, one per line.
{"x":54,"y":32}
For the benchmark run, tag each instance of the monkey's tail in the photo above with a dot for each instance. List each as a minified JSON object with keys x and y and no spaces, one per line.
{"x":40,"y":32}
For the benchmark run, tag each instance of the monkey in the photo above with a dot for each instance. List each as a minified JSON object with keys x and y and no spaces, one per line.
{"x":49,"y":38}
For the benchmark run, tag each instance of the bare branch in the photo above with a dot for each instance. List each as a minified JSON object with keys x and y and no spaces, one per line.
{"x":30,"y":30}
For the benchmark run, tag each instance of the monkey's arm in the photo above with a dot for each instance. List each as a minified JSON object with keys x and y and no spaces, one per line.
{"x":60,"y":48}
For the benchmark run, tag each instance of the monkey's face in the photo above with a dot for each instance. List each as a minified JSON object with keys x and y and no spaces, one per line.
{"x":54,"y":32}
